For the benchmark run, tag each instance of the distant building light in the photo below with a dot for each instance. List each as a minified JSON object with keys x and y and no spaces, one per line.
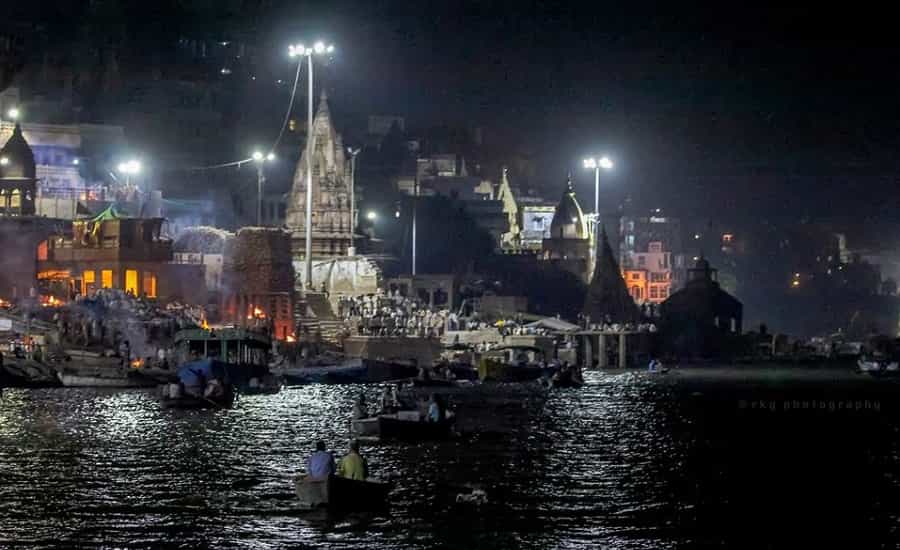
{"x":696,"y":236}
{"x":795,"y":283}
{"x":13,"y":114}
{"x":574,"y":220}
{"x":796,"y":275}
{"x":225,"y":70}
{"x":4,"y":161}
{"x":371,"y":215}
{"x":75,"y":162}
{"x":279,"y":81}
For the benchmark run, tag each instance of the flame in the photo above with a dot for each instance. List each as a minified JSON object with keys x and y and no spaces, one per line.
{"x":137,"y":363}
{"x":257,"y":313}
{"x":290,"y":338}
{"x":4,"y":303}
{"x":203,"y":324}
{"x":50,"y":301}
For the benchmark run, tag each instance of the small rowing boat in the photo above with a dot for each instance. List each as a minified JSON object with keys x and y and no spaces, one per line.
{"x":403,"y":425}
{"x":341,"y":494}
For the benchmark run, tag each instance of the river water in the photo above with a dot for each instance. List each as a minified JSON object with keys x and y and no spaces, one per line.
{"x":707,"y":457}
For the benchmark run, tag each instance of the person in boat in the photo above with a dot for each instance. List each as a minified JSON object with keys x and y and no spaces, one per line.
{"x":360,"y":410}
{"x":320,"y":464}
{"x":214,"y":389}
{"x":435,"y":409}
{"x":389,"y":400}
{"x":423,"y":376}
{"x":353,"y":465}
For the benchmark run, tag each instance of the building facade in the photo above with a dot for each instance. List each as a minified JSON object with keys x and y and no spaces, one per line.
{"x":109,"y":251}
{"x":331,"y":233}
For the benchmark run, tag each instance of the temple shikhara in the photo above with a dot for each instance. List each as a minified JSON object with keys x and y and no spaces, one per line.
{"x":331,"y":230}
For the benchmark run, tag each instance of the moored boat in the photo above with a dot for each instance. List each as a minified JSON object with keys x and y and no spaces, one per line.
{"x":202,"y":384}
{"x":98,"y":379}
{"x":875,"y":367}
{"x":341,"y":494}
{"x":513,"y":364}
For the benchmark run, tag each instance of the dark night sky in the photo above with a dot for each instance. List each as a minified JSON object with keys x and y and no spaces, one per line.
{"x":681,"y":100}
{"x":753,"y":109}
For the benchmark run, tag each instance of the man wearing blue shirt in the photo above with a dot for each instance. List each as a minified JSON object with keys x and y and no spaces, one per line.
{"x":320,"y":464}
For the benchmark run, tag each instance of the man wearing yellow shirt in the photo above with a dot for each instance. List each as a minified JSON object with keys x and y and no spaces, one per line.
{"x":353,"y":465}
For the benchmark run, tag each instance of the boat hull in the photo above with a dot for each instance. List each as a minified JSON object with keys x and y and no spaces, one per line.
{"x":341,"y":494}
{"x":396,"y":427}
{"x":84,"y":381}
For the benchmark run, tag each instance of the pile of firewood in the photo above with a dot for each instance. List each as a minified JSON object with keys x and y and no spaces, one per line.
{"x":258,"y":261}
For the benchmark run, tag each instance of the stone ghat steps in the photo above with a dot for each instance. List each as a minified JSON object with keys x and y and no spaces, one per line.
{"x":314,"y":311}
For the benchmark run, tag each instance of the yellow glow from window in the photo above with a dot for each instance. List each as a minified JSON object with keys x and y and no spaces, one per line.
{"x":131,"y":281}
{"x":106,"y":278}
{"x":88,"y":280}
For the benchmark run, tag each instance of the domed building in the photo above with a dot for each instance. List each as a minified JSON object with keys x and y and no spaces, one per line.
{"x":569,"y":243}
{"x":17,"y":176}
{"x":701,"y":319}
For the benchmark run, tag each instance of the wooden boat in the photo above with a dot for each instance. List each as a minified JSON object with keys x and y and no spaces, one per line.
{"x":190,"y":401}
{"x":878,"y":367}
{"x":342,"y":494}
{"x":351,"y":371}
{"x":195,"y":378}
{"x":403,"y":425}
{"x":111,"y":379}
{"x":513,"y":364}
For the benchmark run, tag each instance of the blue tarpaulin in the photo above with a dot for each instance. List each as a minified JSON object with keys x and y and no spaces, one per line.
{"x":197,"y":373}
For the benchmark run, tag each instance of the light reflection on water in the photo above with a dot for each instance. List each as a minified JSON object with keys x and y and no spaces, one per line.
{"x":629,"y":461}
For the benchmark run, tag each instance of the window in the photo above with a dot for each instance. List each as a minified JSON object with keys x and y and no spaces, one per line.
{"x":635,"y":276}
{"x":663,"y":292}
{"x":88,"y":281}
{"x":654,"y":247}
{"x":131,"y":281}
{"x":106,"y":278}
{"x":654,"y":293}
{"x":292,"y":125}
{"x":636,"y":293}
{"x":642,"y":260}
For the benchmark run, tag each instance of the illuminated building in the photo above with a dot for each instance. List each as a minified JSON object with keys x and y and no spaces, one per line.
{"x":111,"y":251}
{"x":331,"y":235}
{"x":17,"y":176}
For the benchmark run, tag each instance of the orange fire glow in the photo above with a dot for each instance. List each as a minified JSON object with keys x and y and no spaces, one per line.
{"x":257,"y":313}
{"x":290,"y":338}
{"x":4,"y":303}
{"x":50,"y":301}
{"x":137,"y":363}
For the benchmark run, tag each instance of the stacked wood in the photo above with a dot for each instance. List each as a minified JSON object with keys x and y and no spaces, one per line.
{"x":258,"y":261}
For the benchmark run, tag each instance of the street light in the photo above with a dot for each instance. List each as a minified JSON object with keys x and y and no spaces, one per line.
{"x":13,"y":113}
{"x":260,"y":159}
{"x":298,"y":50}
{"x":596,"y":164}
{"x":371,"y":215}
{"x":352,"y":152}
{"x":129,"y":168}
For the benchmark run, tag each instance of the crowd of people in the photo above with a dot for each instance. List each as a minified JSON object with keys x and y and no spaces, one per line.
{"x":392,"y":315}
{"x":123,"y":325}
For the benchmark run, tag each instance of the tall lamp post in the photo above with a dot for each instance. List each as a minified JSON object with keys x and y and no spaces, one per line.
{"x":352,"y":152}
{"x":596,"y":164}
{"x":129,"y":168}
{"x":319,"y":48}
{"x":260,"y":159}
